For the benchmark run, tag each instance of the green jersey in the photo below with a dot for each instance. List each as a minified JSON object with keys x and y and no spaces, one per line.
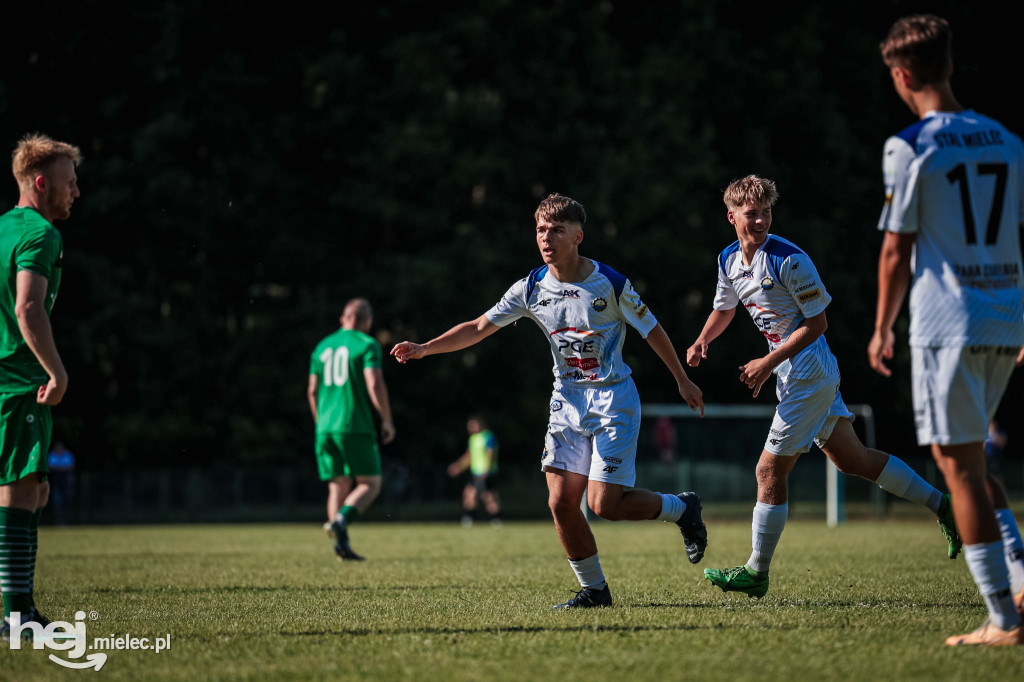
{"x":479,"y":461}
{"x":343,"y":402}
{"x":27,"y":242}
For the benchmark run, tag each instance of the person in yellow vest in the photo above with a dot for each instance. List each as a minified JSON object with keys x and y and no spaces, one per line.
{"x":481,"y":458}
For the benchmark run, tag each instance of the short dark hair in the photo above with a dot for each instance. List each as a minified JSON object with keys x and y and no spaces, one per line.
{"x":922,"y":44}
{"x":561,"y":209}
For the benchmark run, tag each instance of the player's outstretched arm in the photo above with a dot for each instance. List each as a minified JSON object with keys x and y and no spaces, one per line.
{"x":662,"y":345}
{"x":893,"y":282}
{"x":458,"y":337}
{"x":718,"y":320}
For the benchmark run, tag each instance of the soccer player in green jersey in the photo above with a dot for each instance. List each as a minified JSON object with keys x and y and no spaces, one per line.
{"x":32,"y":375}
{"x":481,"y":458}
{"x":345,"y":379}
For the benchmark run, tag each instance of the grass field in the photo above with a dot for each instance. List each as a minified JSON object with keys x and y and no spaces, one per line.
{"x":866,"y":601}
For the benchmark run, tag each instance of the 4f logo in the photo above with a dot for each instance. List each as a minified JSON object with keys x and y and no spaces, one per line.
{"x":609,"y":469}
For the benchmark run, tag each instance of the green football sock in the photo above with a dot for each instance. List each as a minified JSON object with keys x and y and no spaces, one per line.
{"x":348,"y":514}
{"x":33,"y":540}
{"x":16,"y":560}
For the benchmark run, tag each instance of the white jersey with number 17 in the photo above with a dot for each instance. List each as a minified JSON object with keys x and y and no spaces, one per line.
{"x":956,"y":180}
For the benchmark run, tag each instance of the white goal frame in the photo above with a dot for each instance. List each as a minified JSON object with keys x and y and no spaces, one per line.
{"x":835,"y":511}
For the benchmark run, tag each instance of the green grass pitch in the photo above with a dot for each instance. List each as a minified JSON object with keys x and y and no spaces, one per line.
{"x":865,"y":601}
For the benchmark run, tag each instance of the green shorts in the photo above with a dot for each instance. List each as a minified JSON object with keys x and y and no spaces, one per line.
{"x":342,"y":454}
{"x":25,"y":430}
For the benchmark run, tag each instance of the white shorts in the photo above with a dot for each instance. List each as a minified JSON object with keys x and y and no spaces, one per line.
{"x":807,"y":413}
{"x":593,"y":432}
{"x":957,"y":389}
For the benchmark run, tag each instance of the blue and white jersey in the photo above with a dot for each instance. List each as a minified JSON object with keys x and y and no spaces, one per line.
{"x":780,"y":288}
{"x":585,"y":322}
{"x":957,"y":181}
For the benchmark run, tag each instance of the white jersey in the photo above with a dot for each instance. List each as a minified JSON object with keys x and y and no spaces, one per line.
{"x":956,"y":180}
{"x":780,"y":288}
{"x":585,"y":322}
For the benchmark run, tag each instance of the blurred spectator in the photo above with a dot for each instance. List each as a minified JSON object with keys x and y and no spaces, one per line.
{"x":62,"y":482}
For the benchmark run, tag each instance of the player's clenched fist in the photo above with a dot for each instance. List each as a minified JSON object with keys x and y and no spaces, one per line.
{"x":405,"y":351}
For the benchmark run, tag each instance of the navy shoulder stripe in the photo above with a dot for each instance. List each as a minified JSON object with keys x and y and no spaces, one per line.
{"x":910,"y":133}
{"x":777,"y":250}
{"x":726,"y":252}
{"x":618,"y":280}
{"x":536,"y":275}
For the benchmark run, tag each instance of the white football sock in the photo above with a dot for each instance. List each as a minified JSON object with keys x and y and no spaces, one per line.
{"x":766,"y":529}
{"x":900,"y":480}
{"x":1013,"y":548}
{"x":988,"y":567}
{"x":588,"y":572}
{"x":672,"y":508}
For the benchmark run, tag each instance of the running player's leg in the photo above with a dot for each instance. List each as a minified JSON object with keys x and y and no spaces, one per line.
{"x":337,"y":489}
{"x":362,"y":462}
{"x":892,"y":474}
{"x":568,"y":450}
{"x":613,"y":416}
{"x":565,"y":492}
{"x":956,"y":392}
{"x":804,"y":408}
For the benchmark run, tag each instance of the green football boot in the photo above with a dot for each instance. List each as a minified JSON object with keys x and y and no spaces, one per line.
{"x":738,"y":579}
{"x":947,"y":524}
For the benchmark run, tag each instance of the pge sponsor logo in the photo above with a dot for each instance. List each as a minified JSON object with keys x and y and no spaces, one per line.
{"x":575,"y":345}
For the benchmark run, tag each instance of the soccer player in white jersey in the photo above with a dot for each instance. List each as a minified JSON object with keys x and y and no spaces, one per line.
{"x":779,"y":286}
{"x":954,"y":185}
{"x":583,"y":307}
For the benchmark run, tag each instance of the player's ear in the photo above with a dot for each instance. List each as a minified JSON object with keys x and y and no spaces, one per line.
{"x":40,"y":183}
{"x":579,"y":237}
{"x":902,"y":75}
{"x":729,"y":216}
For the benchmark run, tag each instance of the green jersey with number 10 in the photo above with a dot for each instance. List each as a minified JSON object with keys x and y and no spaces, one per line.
{"x":343,"y":403}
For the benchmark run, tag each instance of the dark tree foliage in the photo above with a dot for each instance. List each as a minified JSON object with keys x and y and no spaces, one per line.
{"x":246,"y":174}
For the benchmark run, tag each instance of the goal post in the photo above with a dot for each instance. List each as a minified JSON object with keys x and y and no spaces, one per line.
{"x":834,"y":482}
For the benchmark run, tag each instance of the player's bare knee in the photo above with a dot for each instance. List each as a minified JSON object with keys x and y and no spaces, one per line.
{"x":561,"y":506}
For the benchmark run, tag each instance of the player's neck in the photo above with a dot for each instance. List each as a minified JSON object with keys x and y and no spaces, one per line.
{"x":36,"y":204}
{"x":575,"y":269}
{"x":749,"y":248}
{"x":936,"y":98}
